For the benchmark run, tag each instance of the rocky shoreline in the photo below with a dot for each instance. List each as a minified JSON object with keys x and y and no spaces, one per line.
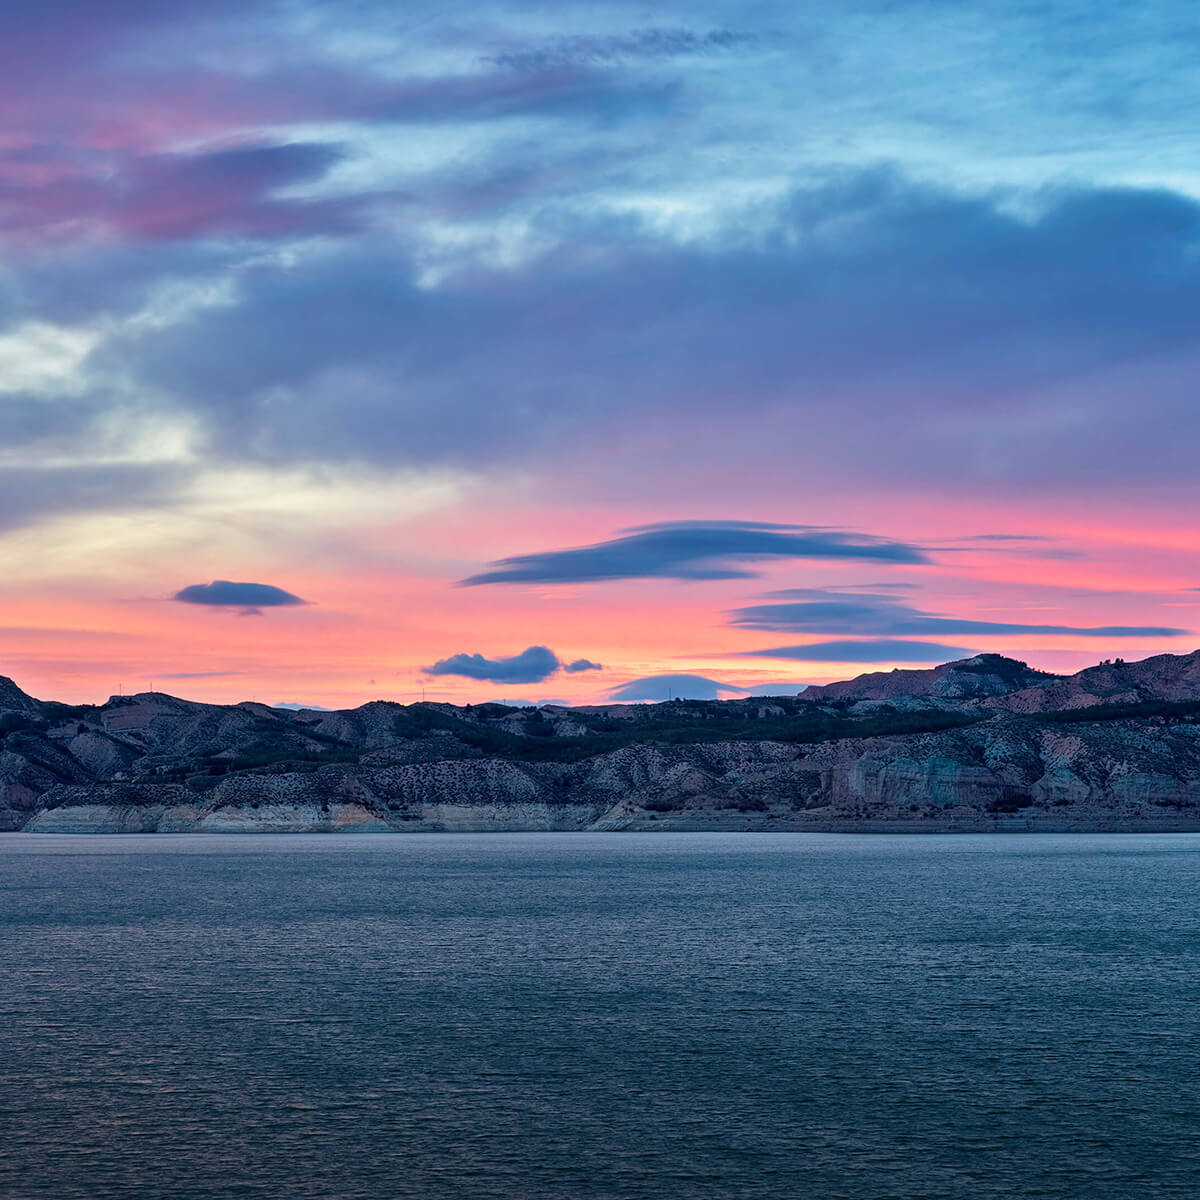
{"x":352,"y":819}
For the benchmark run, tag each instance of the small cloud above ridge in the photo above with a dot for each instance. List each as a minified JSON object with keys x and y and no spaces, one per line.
{"x":680,"y":686}
{"x":877,"y":650}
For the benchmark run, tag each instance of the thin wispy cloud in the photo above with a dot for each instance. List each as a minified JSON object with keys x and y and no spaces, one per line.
{"x":197,"y":674}
{"x":651,"y":44}
{"x":804,"y":610}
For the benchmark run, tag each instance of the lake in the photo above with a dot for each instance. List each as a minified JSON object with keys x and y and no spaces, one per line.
{"x":599,"y":1015}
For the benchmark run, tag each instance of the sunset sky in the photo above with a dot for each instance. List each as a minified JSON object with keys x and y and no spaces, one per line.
{"x":537,"y":351}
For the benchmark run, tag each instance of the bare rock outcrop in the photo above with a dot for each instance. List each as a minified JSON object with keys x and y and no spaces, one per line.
{"x":953,"y":683}
{"x":1169,"y":678}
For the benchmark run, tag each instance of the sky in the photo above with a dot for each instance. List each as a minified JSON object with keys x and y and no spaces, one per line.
{"x":572,"y":352}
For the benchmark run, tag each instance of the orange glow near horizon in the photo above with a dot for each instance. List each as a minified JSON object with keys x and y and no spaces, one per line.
{"x":374,"y":621}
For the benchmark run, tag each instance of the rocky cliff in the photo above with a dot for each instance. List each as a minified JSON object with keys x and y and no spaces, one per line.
{"x":985,"y":743}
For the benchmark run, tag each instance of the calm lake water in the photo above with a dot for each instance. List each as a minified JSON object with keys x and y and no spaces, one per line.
{"x":560,"y":1016}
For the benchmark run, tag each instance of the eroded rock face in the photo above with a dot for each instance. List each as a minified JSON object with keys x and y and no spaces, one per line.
{"x":156,"y":764}
{"x":30,"y":766}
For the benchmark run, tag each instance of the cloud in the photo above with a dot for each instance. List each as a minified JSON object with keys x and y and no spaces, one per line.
{"x":847,"y":325}
{"x":558,"y":91}
{"x":251,"y":598}
{"x":197,"y":674}
{"x":1026,"y":546}
{"x":865,"y":651}
{"x":178,"y":195}
{"x":815,"y":611}
{"x":692,"y":550}
{"x":663,"y":687}
{"x":33,"y":494}
{"x":581,"y":664}
{"x":1006,"y":537}
{"x":127,"y":74}
{"x":953,"y":294}
{"x":639,"y":44}
{"x":533,"y":665}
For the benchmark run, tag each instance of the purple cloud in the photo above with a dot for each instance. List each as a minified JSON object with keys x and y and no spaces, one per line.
{"x":250,"y":598}
{"x":679,"y":686}
{"x":805,"y":610}
{"x":952,"y":295}
{"x":867,"y":650}
{"x":692,"y":550}
{"x":533,"y":665}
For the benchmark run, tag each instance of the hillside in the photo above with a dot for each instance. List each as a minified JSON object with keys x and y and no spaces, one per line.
{"x":984,"y":743}
{"x":950,"y":685}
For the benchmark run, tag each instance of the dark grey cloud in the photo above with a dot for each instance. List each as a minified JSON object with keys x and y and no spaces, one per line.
{"x":41,"y":422}
{"x":867,"y":650}
{"x":30,"y":495}
{"x":683,"y":686}
{"x":954,"y":294}
{"x":250,"y":598}
{"x":693,"y":550}
{"x":581,"y":664}
{"x":532,"y":665}
{"x":80,"y":281}
{"x":814,"y":611}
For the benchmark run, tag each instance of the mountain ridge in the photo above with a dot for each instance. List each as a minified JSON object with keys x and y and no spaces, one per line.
{"x":980,"y":743}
